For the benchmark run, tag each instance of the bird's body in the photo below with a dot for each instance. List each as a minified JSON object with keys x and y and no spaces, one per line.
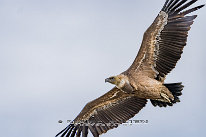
{"x":143,"y":86}
{"x":161,"y":48}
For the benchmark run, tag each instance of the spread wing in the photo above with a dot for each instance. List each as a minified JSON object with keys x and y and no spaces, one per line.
{"x":104,"y":113}
{"x":164,"y":40}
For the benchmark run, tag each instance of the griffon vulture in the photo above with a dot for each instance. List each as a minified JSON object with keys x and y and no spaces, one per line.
{"x":161,"y":48}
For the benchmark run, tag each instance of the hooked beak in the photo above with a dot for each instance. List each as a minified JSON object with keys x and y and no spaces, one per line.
{"x":107,"y":80}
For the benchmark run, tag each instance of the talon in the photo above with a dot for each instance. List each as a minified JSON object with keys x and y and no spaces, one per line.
{"x":165,"y":97}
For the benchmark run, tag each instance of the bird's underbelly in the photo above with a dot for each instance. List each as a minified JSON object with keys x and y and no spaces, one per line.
{"x":148,"y":93}
{"x":148,"y":88}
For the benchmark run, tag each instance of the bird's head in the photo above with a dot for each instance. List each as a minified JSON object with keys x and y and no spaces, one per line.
{"x":113,"y":80}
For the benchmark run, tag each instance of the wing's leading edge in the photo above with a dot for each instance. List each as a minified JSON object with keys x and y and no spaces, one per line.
{"x":164,"y":40}
{"x":104,"y":113}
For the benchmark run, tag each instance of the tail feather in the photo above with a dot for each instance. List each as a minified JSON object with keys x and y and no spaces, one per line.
{"x":175,"y":89}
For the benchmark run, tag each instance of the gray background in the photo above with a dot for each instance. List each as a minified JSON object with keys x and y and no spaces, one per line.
{"x":55,"y":55}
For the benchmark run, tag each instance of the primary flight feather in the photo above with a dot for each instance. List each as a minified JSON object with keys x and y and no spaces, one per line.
{"x":161,"y":48}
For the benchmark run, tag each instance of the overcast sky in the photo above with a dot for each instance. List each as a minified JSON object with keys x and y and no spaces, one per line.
{"x":55,"y":55}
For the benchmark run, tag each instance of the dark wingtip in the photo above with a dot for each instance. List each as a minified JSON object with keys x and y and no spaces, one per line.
{"x":64,"y":131}
{"x":201,"y":6}
{"x":192,"y":10}
{"x":174,"y":7}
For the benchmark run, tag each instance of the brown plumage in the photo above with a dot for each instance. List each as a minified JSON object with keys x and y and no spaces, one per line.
{"x":161,"y":48}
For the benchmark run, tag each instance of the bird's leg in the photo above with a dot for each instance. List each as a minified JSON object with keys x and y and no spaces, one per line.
{"x":165,"y":97}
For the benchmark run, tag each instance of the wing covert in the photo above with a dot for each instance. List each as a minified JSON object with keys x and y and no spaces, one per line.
{"x":104,"y":113}
{"x":164,"y":40}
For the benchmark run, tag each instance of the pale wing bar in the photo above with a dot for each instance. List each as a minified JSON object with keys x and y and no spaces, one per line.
{"x":173,"y":37}
{"x":105,"y":118}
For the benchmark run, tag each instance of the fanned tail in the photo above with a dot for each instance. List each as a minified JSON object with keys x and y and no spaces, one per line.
{"x":175,"y":89}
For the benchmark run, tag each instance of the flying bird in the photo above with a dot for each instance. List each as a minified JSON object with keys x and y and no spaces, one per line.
{"x":161,"y":48}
